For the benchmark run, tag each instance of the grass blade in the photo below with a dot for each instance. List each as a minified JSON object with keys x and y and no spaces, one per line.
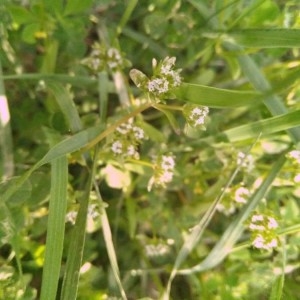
{"x":267,"y":38}
{"x":66,"y":105}
{"x":126,"y":16}
{"x":235,"y":229}
{"x":55,"y":228}
{"x":258,"y":80}
{"x":215,"y":97}
{"x":265,"y":127}
{"x":75,"y":252}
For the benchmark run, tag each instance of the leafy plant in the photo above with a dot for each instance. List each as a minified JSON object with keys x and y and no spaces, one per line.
{"x":149,"y":151}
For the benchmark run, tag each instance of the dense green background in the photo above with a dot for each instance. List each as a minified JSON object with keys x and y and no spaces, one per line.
{"x":240,"y":58}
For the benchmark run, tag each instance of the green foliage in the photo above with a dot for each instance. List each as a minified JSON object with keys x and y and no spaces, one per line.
{"x":149,"y":150}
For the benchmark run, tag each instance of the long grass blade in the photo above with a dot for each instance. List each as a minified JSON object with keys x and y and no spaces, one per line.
{"x":267,"y":38}
{"x":75,"y":252}
{"x":265,"y":127}
{"x":259,"y":81}
{"x":215,"y":97}
{"x":66,"y":105}
{"x":55,"y":228}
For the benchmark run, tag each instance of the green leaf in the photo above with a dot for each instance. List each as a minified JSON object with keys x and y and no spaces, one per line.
{"x":21,"y":15}
{"x":264,"y":127}
{"x":75,"y":251}
{"x":251,"y":70}
{"x":72,"y":144}
{"x":66,"y":105}
{"x":215,"y":97}
{"x":277,"y":287}
{"x":267,"y":38}
{"x":28,"y":34}
{"x":55,"y":228}
{"x":77,"y":6}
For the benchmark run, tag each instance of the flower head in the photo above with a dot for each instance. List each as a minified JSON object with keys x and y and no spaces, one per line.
{"x":163,"y":171}
{"x":102,"y":58}
{"x":263,"y":231}
{"x":126,"y":140}
{"x":196,"y":116}
{"x":164,"y":78}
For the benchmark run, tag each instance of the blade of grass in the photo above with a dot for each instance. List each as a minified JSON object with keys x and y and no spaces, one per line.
{"x":77,"y":241}
{"x":79,"y":81}
{"x":265,"y":127}
{"x":277,"y":287}
{"x":267,"y":38}
{"x":236,"y":228}
{"x":215,"y":97}
{"x":258,"y":80}
{"x":126,"y":16}
{"x":109,"y":242}
{"x":66,"y":105}
{"x":55,"y":228}
{"x":145,"y":41}
{"x":103,"y":95}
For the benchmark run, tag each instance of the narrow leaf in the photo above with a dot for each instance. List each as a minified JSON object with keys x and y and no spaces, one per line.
{"x":267,"y":38}
{"x":55,"y":228}
{"x":215,"y":97}
{"x":66,"y":104}
{"x":264,"y":127}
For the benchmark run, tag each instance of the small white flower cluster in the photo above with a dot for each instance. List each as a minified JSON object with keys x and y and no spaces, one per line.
{"x":101,"y":58}
{"x":263,"y":231}
{"x":241,"y":195}
{"x":246,"y":161}
{"x":196,"y":116}
{"x":163,"y":171}
{"x":126,"y":140}
{"x":295,"y":156}
{"x":157,"y":250}
{"x":235,"y":197}
{"x":92,"y":213}
{"x":165,"y":77}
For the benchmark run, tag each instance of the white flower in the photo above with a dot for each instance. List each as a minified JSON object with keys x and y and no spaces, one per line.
{"x":138,"y":133}
{"x":164,"y":167}
{"x":116,"y":147}
{"x":92,"y":211}
{"x":272,"y":224}
{"x":256,"y":218}
{"x":156,"y":250}
{"x":295,"y":154}
{"x":71,"y":217}
{"x":166,"y":177}
{"x":246,"y":161}
{"x":167,"y":65}
{"x":241,"y":195}
{"x":167,"y":162}
{"x":132,"y":152}
{"x":272,"y":244}
{"x":297,"y":178}
{"x":196,"y":115}
{"x":261,"y":243}
{"x":158,"y":85}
